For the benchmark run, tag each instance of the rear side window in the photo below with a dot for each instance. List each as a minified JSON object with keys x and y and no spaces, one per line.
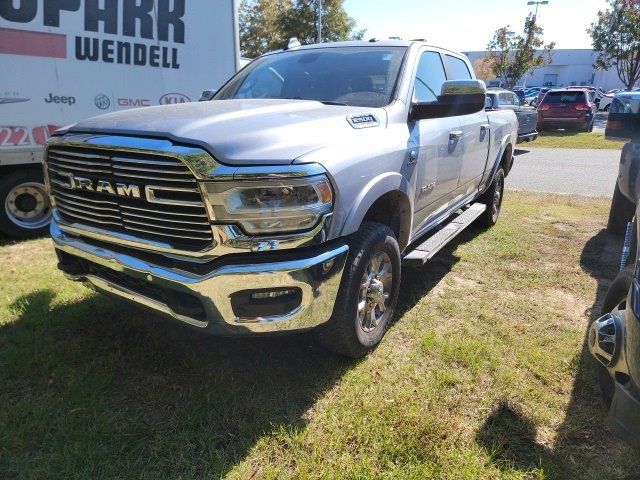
{"x":429,"y":78}
{"x":565,"y":97}
{"x":458,"y":69}
{"x":506,"y":99}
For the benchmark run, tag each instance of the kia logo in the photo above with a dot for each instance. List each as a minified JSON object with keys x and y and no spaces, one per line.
{"x":173,"y":98}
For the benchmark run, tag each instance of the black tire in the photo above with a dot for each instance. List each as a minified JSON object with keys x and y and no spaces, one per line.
{"x":616,"y":295}
{"x":346,"y":333}
{"x":621,"y":212}
{"x":492,"y":198}
{"x":13,"y":204}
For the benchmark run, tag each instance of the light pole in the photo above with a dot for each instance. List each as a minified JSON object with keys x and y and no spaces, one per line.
{"x":537,"y":4}
{"x":319,"y":29}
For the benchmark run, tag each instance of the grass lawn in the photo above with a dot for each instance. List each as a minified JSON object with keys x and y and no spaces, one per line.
{"x":561,"y":139}
{"x":484,"y":375}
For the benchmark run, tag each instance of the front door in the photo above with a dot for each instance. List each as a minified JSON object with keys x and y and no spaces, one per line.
{"x":437,"y":143}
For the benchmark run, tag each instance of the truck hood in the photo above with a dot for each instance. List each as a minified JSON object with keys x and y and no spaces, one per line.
{"x":240,"y":132}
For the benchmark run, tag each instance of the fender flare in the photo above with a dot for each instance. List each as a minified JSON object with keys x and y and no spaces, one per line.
{"x":389,"y":182}
{"x":506,"y":142}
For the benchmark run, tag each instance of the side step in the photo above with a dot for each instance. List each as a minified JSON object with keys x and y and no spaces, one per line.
{"x":426,"y":250}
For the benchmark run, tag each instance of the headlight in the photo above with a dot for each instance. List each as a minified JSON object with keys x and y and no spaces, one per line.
{"x":271,"y":206}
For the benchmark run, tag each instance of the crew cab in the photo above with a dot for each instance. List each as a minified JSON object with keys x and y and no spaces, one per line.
{"x":290,"y":200}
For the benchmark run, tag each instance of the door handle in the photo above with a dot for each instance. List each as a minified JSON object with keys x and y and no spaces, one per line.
{"x":455,"y":134}
{"x":485,"y":127}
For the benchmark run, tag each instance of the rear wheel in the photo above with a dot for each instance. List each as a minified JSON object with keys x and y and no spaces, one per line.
{"x":26,"y":208}
{"x":368,"y":293}
{"x":492,"y":198}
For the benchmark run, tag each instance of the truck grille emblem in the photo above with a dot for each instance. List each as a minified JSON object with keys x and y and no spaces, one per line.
{"x":99,"y":186}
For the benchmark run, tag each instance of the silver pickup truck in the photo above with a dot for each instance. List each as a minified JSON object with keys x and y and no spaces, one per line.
{"x":290,"y":200}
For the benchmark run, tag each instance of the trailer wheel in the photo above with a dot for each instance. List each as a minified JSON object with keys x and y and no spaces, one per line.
{"x":26,"y":208}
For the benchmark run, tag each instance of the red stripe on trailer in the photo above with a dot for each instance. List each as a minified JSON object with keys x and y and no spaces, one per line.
{"x":36,"y":44}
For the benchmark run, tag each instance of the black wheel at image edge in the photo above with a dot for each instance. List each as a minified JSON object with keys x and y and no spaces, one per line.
{"x":616,"y":295}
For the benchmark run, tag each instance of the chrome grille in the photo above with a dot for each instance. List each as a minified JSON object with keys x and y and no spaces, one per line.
{"x":176,"y":217}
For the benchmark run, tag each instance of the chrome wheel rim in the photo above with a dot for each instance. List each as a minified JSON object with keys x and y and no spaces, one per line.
{"x":27,"y":205}
{"x":375,"y":291}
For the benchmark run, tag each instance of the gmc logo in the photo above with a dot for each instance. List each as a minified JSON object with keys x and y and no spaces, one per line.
{"x":134,"y":102}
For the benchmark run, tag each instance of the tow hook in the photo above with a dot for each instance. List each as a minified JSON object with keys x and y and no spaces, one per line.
{"x":605,"y":338}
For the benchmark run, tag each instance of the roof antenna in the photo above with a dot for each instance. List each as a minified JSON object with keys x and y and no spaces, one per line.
{"x":292,"y":44}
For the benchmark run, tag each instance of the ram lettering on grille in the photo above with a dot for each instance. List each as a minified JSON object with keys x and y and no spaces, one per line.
{"x":151,"y":196}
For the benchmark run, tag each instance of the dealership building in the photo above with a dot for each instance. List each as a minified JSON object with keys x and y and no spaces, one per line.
{"x":568,"y":68}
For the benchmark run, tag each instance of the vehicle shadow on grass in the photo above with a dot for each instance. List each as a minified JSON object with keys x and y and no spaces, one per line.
{"x":97,"y":389}
{"x":118,"y":393}
{"x":510,"y":437}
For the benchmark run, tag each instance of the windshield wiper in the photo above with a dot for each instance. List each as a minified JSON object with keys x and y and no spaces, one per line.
{"x":329,"y":102}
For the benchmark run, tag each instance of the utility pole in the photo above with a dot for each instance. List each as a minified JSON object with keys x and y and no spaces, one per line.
{"x":319,"y":28}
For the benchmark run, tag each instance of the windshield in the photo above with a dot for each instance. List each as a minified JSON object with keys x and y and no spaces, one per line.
{"x":358,"y":76}
{"x":564,"y":97}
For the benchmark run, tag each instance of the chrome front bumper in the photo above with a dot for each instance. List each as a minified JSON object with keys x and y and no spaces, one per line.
{"x":315,"y":272}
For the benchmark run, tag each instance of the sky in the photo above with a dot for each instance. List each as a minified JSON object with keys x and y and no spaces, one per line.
{"x":467,"y":25}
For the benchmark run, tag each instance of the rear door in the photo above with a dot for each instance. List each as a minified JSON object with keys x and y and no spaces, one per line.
{"x":474,"y":134}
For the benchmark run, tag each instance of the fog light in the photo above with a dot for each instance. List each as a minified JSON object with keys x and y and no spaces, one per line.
{"x":271,"y":294}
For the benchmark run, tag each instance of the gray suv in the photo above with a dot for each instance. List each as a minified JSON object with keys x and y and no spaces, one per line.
{"x":291,"y":199}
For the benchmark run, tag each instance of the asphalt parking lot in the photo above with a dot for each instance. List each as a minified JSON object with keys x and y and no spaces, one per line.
{"x":560,"y":170}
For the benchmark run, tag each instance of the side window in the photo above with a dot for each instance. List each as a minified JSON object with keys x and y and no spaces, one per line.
{"x":505,"y":98}
{"x":429,"y":78}
{"x":458,"y":69}
{"x":514,"y":99}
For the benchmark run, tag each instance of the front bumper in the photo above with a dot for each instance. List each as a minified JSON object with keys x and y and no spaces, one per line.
{"x":204,"y":299}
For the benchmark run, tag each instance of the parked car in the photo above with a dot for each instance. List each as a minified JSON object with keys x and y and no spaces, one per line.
{"x":499,"y":99}
{"x":606,"y":100}
{"x":290,"y":200}
{"x":567,"y":108}
{"x":531,"y":95}
{"x":539,"y":96}
{"x":614,"y":338}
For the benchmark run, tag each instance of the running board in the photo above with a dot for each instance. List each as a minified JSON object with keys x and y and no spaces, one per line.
{"x":426,"y":250}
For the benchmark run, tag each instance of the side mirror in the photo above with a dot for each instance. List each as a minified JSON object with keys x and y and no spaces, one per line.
{"x":488,"y":103}
{"x":457,"y":97}
{"x":207,"y":95}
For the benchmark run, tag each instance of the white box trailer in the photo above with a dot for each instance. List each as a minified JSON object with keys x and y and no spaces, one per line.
{"x":65,"y":60}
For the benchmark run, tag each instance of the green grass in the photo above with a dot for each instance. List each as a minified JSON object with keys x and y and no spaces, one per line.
{"x":558,"y":139}
{"x":484,"y":375}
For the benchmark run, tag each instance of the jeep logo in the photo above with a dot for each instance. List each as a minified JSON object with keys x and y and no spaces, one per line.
{"x":66,"y":99}
{"x":101,"y":186}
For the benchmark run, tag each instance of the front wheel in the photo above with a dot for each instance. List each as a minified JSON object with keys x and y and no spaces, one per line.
{"x":615,"y":299}
{"x":368,"y":293}
{"x":492,"y":198}
{"x":26,"y":209}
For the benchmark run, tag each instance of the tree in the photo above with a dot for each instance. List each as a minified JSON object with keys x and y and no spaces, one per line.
{"x":266,"y":24}
{"x":512,"y":56}
{"x":259,"y":31}
{"x":616,"y":39}
{"x":483,"y":67}
{"x":301,"y":21}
